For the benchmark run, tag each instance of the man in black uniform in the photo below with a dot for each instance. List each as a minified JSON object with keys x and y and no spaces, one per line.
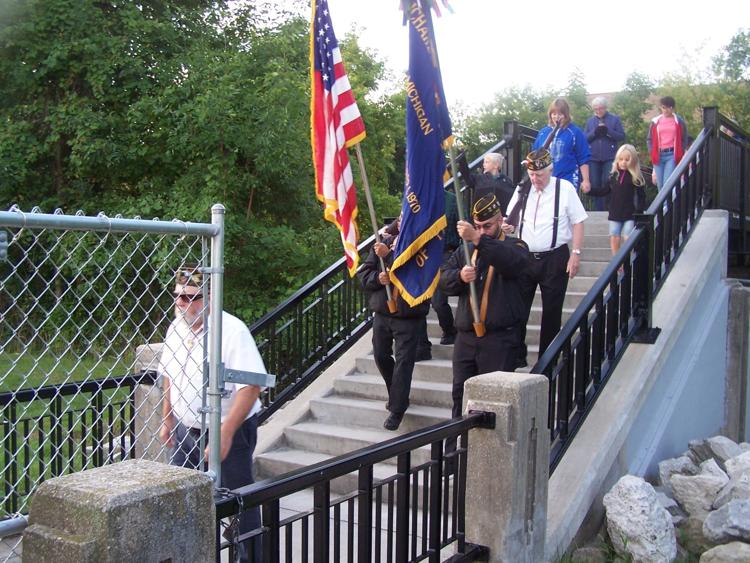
{"x":402,"y":328}
{"x":496,"y":265}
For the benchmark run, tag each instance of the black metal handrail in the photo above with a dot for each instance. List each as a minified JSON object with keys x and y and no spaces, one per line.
{"x":617,"y":309}
{"x":306,"y":333}
{"x":441,"y":500}
{"x":40,"y":443}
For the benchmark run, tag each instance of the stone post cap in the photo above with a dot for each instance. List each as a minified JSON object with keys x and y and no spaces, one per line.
{"x":500,"y":384}
{"x":135,"y":510}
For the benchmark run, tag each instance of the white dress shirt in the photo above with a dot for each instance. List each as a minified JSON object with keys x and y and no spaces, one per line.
{"x":182,"y":362}
{"x":539,"y":216}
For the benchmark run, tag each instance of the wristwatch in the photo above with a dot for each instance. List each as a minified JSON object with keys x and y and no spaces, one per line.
{"x":576,"y":251}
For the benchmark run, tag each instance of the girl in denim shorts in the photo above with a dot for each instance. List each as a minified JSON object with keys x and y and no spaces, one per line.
{"x":627,"y":186}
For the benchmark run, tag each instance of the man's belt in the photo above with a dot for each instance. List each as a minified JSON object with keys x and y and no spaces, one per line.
{"x":540,"y":255}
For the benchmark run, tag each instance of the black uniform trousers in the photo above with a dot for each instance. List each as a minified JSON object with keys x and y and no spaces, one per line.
{"x":403,"y":334}
{"x":495,"y":351}
{"x":236,"y":472}
{"x":547,"y":270}
{"x":441,"y":306}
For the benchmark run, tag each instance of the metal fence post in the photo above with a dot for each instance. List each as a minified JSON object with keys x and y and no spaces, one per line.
{"x":643,"y":281}
{"x":712,"y":122}
{"x":514,"y":150}
{"x":214,"y":344}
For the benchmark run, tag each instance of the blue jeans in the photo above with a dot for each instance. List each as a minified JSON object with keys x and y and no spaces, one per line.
{"x":665,"y":168}
{"x":598,"y":175}
{"x":236,"y":470}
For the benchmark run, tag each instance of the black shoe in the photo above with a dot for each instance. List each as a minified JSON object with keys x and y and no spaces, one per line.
{"x":423,"y":355}
{"x":393,"y":421}
{"x":448,"y":339}
{"x":521,"y":363}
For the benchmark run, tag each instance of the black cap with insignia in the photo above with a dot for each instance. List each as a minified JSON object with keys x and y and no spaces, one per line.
{"x":485,"y":208}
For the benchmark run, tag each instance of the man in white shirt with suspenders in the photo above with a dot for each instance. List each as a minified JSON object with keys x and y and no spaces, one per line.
{"x":551,"y":216}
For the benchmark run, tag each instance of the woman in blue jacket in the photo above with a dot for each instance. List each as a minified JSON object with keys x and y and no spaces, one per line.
{"x":569,"y":149}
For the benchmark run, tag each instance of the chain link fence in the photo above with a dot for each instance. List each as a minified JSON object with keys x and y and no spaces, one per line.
{"x":84,"y":302}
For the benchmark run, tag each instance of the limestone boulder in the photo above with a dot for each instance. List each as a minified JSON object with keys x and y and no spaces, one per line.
{"x":733,"y":552}
{"x":682,"y":465}
{"x":678,"y":515}
{"x":696,"y":493}
{"x":639,"y":526}
{"x":699,"y":451}
{"x":730,"y":522}
{"x":738,"y":464}
{"x":589,"y":554}
{"x":722,"y":449}
{"x":738,"y":488}
{"x":691,"y":536}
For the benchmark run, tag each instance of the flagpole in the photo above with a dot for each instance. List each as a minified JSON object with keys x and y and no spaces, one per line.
{"x":392,"y":306}
{"x":479,"y":329}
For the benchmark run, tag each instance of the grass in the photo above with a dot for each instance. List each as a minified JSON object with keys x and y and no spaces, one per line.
{"x":29,"y":369}
{"x":30,"y":429}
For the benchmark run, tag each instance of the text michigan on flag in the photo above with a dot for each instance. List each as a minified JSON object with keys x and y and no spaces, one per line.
{"x":335,"y":126}
{"x":419,"y":250}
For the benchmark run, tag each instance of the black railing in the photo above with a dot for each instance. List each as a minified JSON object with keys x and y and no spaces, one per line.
{"x":306,"y":333}
{"x":411,"y":513}
{"x":732,"y":177}
{"x":60,"y":429}
{"x":617,"y":309}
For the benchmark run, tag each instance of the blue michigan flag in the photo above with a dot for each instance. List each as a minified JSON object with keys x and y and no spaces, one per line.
{"x":419,"y":250}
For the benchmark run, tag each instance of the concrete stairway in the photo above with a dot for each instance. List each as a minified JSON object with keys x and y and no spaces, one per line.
{"x":351,"y":414}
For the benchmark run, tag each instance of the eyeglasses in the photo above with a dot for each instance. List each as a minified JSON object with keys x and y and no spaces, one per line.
{"x":184,"y":277}
{"x":188,"y":298}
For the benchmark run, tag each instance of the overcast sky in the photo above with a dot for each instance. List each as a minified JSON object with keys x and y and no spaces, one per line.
{"x":489,"y":45}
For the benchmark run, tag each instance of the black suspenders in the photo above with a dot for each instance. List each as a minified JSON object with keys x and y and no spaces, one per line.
{"x":555,"y":218}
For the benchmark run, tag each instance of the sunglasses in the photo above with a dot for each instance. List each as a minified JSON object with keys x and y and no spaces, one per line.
{"x":184,"y":277}
{"x":187,"y":298}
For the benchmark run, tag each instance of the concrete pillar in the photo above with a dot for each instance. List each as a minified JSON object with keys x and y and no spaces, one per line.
{"x":148,"y":409}
{"x":738,"y":366}
{"x":508,"y":467}
{"x":135,"y":510}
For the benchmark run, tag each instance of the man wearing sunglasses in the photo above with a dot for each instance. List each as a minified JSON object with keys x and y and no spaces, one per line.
{"x":495,"y":268}
{"x":181,"y":366}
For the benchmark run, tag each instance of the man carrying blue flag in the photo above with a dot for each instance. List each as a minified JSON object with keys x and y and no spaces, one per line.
{"x":419,"y":249}
{"x":496,"y":265}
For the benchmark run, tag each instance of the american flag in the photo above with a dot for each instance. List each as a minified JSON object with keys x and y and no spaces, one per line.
{"x":336,"y":125}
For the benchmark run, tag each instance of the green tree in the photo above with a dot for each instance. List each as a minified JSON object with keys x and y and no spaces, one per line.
{"x":631,"y":104}
{"x":575,"y":94}
{"x":164,"y":107}
{"x":733,"y":63}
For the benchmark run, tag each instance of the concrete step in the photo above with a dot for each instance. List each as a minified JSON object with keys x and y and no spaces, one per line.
{"x":596,"y":254}
{"x":441,"y":371}
{"x":572,"y":299}
{"x":371,"y":386}
{"x":581,"y":283}
{"x":283,"y":460}
{"x":435,"y":370}
{"x":337,"y":440}
{"x":353,"y":411}
{"x":535,"y":316}
{"x":595,"y":241}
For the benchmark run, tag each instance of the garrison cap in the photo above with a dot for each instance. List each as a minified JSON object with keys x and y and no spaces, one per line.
{"x":485,"y":208}
{"x":538,"y":160}
{"x":189,"y":274}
